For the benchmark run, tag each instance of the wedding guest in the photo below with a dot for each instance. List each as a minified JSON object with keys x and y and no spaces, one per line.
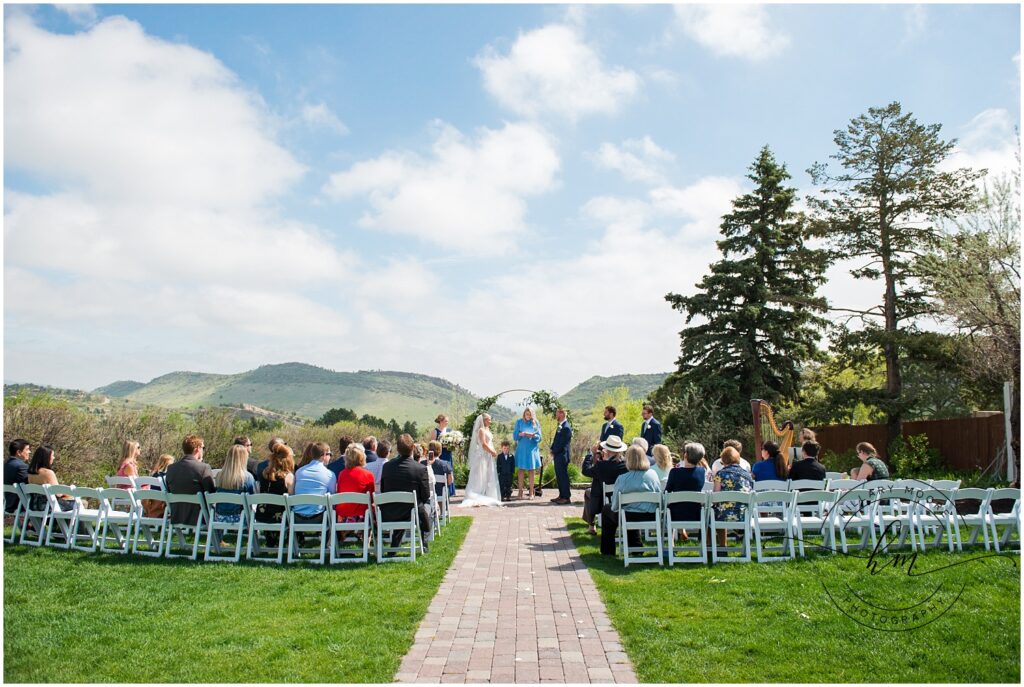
{"x":161,"y":465}
{"x":593,"y":456}
{"x":689,"y":476}
{"x":16,"y":470}
{"x":314,"y":478}
{"x":506,"y":469}
{"x":639,"y":478}
{"x":129,"y":465}
{"x":641,"y":442}
{"x":277,"y":478}
{"x":872,"y":466}
{"x":40,"y":471}
{"x":439,"y":467}
{"x":354,"y":479}
{"x":402,"y":473}
{"x":772,"y":465}
{"x":251,"y":464}
{"x":605,"y":471}
{"x":527,"y":436}
{"x":369,"y":448}
{"x":650,"y":430}
{"x":383,"y":451}
{"x":338,"y":465}
{"x":270,"y":448}
{"x":808,"y":466}
{"x":560,"y":448}
{"x":190,"y":475}
{"x":806,"y":434}
{"x":233,"y":478}
{"x":151,"y":508}
{"x":446,"y":455}
{"x":611,"y":425}
{"x":733,"y":444}
{"x":662,"y":461}
{"x":732,"y":477}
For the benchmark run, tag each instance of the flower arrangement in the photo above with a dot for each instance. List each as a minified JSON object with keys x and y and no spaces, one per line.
{"x":452,"y":440}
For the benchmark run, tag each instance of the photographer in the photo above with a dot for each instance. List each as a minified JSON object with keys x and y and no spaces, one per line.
{"x":603,"y":465}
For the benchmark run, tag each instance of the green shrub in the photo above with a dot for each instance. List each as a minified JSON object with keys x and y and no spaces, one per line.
{"x":840,"y":462}
{"x":911,"y":457}
{"x":548,"y":474}
{"x":461,"y":473}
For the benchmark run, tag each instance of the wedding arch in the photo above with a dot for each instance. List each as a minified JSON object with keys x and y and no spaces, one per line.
{"x":546,"y":401}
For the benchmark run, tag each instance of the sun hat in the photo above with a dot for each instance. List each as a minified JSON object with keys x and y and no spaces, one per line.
{"x":614,"y":444}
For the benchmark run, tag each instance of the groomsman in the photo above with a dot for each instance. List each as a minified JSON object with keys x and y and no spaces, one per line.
{"x":560,"y":453}
{"x":611,"y":425}
{"x":651,"y":429}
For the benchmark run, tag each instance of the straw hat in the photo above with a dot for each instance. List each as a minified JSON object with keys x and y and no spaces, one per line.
{"x":614,"y":444}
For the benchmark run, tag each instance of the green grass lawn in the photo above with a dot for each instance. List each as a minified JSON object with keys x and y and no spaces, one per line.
{"x":774,"y":622}
{"x":77,"y":617}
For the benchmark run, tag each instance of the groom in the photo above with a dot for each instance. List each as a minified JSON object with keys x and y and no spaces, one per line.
{"x":560,"y":453}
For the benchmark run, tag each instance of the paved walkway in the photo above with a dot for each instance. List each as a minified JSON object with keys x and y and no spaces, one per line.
{"x":517,"y":605}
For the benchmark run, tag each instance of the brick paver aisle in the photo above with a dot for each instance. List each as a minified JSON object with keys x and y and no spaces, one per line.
{"x":517,"y":605}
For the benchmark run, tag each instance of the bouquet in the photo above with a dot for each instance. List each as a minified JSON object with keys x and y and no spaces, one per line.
{"x":452,"y":441}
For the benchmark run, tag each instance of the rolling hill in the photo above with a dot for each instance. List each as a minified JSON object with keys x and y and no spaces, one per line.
{"x":583,"y":396}
{"x":308,"y":391}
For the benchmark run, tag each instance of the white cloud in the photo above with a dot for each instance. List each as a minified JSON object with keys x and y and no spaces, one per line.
{"x":915,"y":22}
{"x":988,"y":141}
{"x":320,"y":116}
{"x":82,"y":14}
{"x":729,"y":30}
{"x":636,"y":159}
{"x":468,"y":195}
{"x":552,"y":70}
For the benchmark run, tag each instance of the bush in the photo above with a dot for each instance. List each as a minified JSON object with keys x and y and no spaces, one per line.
{"x":548,"y":474}
{"x":72,"y":433}
{"x":461,"y":473}
{"x":839,"y":462}
{"x":911,"y":457}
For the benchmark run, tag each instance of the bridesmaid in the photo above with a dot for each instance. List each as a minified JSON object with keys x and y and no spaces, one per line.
{"x":446,"y":454}
{"x":527,"y":436}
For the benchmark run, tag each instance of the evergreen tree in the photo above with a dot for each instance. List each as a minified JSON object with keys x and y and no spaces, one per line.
{"x":759,"y":304}
{"x":881,"y":208}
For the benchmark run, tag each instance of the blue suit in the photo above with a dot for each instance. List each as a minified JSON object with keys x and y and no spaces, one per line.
{"x":651,"y":431}
{"x":613,"y":427}
{"x":560,"y":452}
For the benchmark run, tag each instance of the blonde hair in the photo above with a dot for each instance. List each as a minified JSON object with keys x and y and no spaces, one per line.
{"x":355,"y":456}
{"x":636,"y":459}
{"x":662,"y":456}
{"x":232,"y":475}
{"x":130,"y":450}
{"x":162,"y":462}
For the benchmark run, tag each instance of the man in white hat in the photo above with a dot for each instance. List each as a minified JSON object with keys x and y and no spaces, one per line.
{"x":605,"y":470}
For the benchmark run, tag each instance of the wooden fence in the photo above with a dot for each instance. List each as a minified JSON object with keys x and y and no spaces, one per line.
{"x":965,"y":443}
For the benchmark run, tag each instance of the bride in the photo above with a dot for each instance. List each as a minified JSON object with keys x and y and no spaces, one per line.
{"x":482,"y":487}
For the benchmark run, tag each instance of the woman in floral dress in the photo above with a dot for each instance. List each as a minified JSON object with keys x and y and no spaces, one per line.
{"x":731,"y":477}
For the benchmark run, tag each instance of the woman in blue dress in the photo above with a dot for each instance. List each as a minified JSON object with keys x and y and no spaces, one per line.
{"x":446,"y":454}
{"x":527,"y":437}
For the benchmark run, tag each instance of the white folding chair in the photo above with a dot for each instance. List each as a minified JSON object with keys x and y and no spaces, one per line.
{"x":435,"y":508}
{"x":833,"y":475}
{"x":708,"y":487}
{"x":446,"y":501}
{"x":149,"y":530}
{"x":35,"y":520}
{"x":121,"y":482}
{"x":15,"y":491}
{"x":698,"y":526}
{"x":771,"y":485}
{"x":806,"y":484}
{"x":182,"y":531}
{"x":635,"y":554}
{"x":896,"y":514}
{"x":776,"y":522}
{"x":741,"y":526}
{"x":257,"y":528}
{"x":120,"y":523}
{"x":88,"y":519}
{"x":976,"y":521}
{"x":1011,"y":520}
{"x":319,"y":528}
{"x":813,"y":512}
{"x":61,"y":521}
{"x":412,"y":526}
{"x":149,"y":483}
{"x":839,"y":484}
{"x":214,"y":472}
{"x":855,"y":512}
{"x":935,"y":513}
{"x":215,"y":529}
{"x":363,"y":529}
{"x":945,"y":484}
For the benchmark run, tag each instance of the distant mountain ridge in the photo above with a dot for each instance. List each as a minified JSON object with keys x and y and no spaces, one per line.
{"x":583,"y":396}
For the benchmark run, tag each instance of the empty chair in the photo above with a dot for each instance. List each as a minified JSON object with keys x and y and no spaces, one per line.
{"x":698,"y":504}
{"x":273,"y":533}
{"x":410,"y":525}
{"x":935,"y":512}
{"x":771,"y":485}
{"x":62,"y":515}
{"x":118,"y":523}
{"x":444,"y":505}
{"x":777,"y":522}
{"x":855,"y":512}
{"x":975,"y":520}
{"x":150,"y":528}
{"x":299,"y":527}
{"x":435,"y":506}
{"x":37,"y":514}
{"x":740,"y":526}
{"x":945,"y":484}
{"x":149,"y":483}
{"x":813,"y":513}
{"x":635,"y":554}
{"x":806,"y":484}
{"x":1010,"y":520}
{"x":218,"y":525}
{"x":894,"y":515}
{"x":904,"y":493}
{"x":180,"y":532}
{"x":362,"y":530}
{"x":844,"y":484}
{"x":14,"y":491}
{"x":833,"y":475}
{"x":121,"y":482}
{"x":88,"y":519}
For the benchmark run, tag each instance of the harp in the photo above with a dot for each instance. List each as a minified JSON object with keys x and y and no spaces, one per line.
{"x":765,"y":428}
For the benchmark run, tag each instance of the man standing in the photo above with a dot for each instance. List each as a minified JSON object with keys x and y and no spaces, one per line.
{"x":611,"y":425}
{"x":190,"y":475}
{"x":650,"y":430}
{"x":16,"y":470}
{"x":560,"y":454}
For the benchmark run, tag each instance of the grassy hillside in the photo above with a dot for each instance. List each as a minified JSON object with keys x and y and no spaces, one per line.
{"x":119,"y":389}
{"x":584,"y":396}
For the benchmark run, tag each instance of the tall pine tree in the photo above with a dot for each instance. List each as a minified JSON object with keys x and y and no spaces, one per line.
{"x":759,"y":305}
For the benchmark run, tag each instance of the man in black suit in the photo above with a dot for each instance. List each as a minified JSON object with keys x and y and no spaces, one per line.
{"x":16,"y":470}
{"x":403,"y":473}
{"x":190,"y":475}
{"x":808,"y":467}
{"x":650,"y":430}
{"x":560,"y":454}
{"x":611,"y":425}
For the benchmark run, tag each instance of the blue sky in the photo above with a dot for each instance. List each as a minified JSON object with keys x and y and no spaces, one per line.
{"x":499,"y":195}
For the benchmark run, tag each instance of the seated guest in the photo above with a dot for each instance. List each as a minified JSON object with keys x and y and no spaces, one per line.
{"x":190,"y":475}
{"x":441,"y":467}
{"x":593,"y":457}
{"x":772,"y":464}
{"x":732,"y":477}
{"x":662,"y":461}
{"x":270,"y":447}
{"x":638,"y":478}
{"x":642,"y":443}
{"x":40,"y":471}
{"x":689,"y":476}
{"x":806,"y":434}
{"x":354,"y":479}
{"x":16,"y":470}
{"x":369,"y":450}
{"x":151,"y":508}
{"x":506,"y":469}
{"x":160,"y":466}
{"x":251,"y":464}
{"x":606,"y":471}
{"x":129,"y":466}
{"x":277,"y":478}
{"x":383,"y":452}
{"x":233,"y":478}
{"x":734,"y":444}
{"x":872,"y":466}
{"x":403,"y":473}
{"x":314,"y":478}
{"x":808,"y":466}
{"x":338,"y":465}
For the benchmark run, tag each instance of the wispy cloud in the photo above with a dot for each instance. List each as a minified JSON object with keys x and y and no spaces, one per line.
{"x":743,"y":31}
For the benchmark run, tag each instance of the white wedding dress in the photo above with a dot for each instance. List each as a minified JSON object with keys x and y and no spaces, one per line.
{"x":482,"y":486}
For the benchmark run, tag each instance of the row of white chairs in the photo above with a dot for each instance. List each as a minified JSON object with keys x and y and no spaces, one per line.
{"x":117,"y":523}
{"x":787,"y":517}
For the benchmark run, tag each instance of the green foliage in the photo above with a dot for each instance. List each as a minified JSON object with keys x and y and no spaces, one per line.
{"x":689,"y":412}
{"x":261,"y":424}
{"x":585,"y":395}
{"x":843,"y":461}
{"x":460,"y":473}
{"x":910,"y":456}
{"x":547,"y":475}
{"x":337,"y":415}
